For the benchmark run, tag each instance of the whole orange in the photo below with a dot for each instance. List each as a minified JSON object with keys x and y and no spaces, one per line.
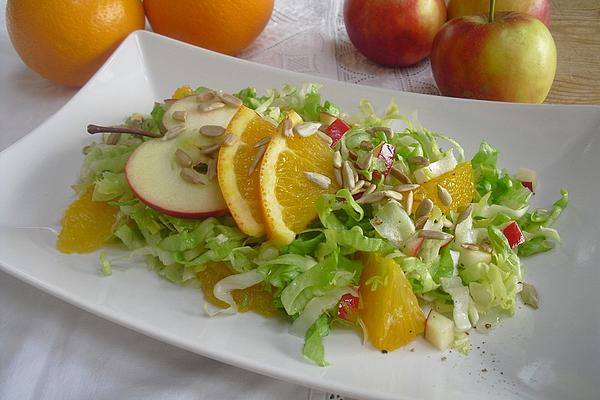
{"x":66,"y":41}
{"x":226,"y":26}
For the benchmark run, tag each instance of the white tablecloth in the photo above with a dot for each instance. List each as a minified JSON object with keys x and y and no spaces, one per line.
{"x":52,"y":350}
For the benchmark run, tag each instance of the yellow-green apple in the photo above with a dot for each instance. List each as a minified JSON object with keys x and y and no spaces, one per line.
{"x":538,"y":8}
{"x":156,"y":170}
{"x":506,"y":56}
{"x":394,"y":32}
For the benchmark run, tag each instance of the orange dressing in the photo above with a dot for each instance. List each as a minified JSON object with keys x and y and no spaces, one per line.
{"x":254,"y":298}
{"x":87,"y":225}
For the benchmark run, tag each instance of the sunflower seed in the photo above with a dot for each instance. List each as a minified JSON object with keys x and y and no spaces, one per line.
{"x":338,"y":177}
{"x":229,"y":99}
{"x":355,"y":175}
{"x":358,"y":187}
{"x":260,"y":152}
{"x":191,"y":176}
{"x":409,"y":202}
{"x":419,"y":160}
{"x":325,"y":137}
{"x":212,"y":130}
{"x":484,"y":246}
{"x":348,"y":175}
{"x":470,"y":246}
{"x":376,"y":129}
{"x":205,"y":96}
{"x":529,"y":295}
{"x":364,"y":162}
{"x":210,"y":106}
{"x":444,"y":195}
{"x":352,"y":155}
{"x":210,"y":149}
{"x":320,"y":180}
{"x":262,"y":142}
{"x":183,"y":158}
{"x":366,"y":145}
{"x":428,"y":234}
{"x":401,"y":176}
{"x":307,"y":128}
{"x":406,"y":187}
{"x":369,"y":198}
{"x":212,"y":170}
{"x":337,"y":159}
{"x":287,"y":127}
{"x":447,"y":223}
{"x":173,"y":133}
{"x":111,"y":138}
{"x":179,"y":115}
{"x":424,"y":208}
{"x":420,"y":222}
{"x":370,"y":189}
{"x":390,"y":194}
{"x":229,"y":139}
{"x":466,"y":213}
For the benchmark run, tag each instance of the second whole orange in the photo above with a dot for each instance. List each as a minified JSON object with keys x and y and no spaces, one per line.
{"x":225,"y":26}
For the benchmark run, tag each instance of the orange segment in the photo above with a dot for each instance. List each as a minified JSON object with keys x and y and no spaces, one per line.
{"x":240,"y":190}
{"x":388,"y":307}
{"x":459,"y":183}
{"x":87,"y":225}
{"x":288,"y":197}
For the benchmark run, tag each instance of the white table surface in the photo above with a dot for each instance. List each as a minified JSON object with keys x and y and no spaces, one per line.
{"x":52,"y":350}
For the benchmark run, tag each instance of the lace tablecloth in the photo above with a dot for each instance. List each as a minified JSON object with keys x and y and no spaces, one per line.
{"x":52,"y":350}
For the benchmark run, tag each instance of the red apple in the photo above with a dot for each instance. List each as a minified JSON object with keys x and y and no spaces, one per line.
{"x":538,"y":8}
{"x":510,"y":57}
{"x":394,"y":32}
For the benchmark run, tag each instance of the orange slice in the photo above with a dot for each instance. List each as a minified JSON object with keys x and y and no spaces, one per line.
{"x":459,"y":183}
{"x":240,"y":189}
{"x":288,"y":197}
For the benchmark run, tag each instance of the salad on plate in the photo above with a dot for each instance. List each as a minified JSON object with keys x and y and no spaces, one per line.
{"x":285,"y":205}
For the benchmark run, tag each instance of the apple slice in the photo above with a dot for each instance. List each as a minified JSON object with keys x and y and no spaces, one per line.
{"x":154,"y":172}
{"x":439,"y":330}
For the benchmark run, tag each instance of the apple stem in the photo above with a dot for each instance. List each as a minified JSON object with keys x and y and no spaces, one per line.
{"x":492,"y":10}
{"x":92,"y":129}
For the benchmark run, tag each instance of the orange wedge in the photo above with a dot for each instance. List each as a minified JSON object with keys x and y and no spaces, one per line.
{"x":288,"y":197}
{"x":239,"y":188}
{"x":459,"y":183}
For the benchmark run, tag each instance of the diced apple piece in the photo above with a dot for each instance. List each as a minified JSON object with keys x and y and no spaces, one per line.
{"x":387,"y":153}
{"x":528,"y":178}
{"x":337,"y":129}
{"x":435,"y":169}
{"x":439,"y":330}
{"x":470,"y":256}
{"x":413,"y":246}
{"x":513,"y":234}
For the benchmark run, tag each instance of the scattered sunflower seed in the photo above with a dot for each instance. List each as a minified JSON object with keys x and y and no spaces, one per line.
{"x":364,"y":162}
{"x":406,"y":187}
{"x":214,"y":105}
{"x":338,"y":177}
{"x":325,"y":137}
{"x":337,"y":159}
{"x":183,"y":158}
{"x":409,"y":202}
{"x":229,"y":139}
{"x":419,"y":160}
{"x":369,"y":198}
{"x":211,"y":173}
{"x":420,"y":222}
{"x":401,"y":176}
{"x":307,"y":128}
{"x":470,"y":246}
{"x":173,"y":133}
{"x":348,"y":175}
{"x":391,"y":194}
{"x":352,"y":155}
{"x":424,"y":208}
{"x":376,"y":129}
{"x":355,"y":175}
{"x":229,"y":99}
{"x":205,"y":96}
{"x":444,"y":195}
{"x":358,"y":187}
{"x":262,"y":142}
{"x":212,"y":130}
{"x":428,"y":234}
{"x":320,"y":180}
{"x":486,"y":247}
{"x":287,"y":127}
{"x":191,"y":176}
{"x":365,"y":145}
{"x":210,"y":149}
{"x":179,"y":115}
{"x":529,"y":295}
{"x":465,"y":214}
{"x":447,"y":223}
{"x":260,"y":152}
{"x":111,"y":138}
{"x":370,"y":189}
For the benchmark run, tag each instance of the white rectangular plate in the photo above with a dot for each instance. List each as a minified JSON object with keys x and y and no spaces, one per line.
{"x":552,"y":353}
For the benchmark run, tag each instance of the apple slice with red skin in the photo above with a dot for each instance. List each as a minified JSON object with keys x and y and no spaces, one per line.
{"x":153,"y":172}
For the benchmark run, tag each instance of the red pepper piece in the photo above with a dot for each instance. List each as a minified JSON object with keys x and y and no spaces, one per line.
{"x":513,"y":234}
{"x":348,"y":307}
{"x":387,"y":153}
{"x":337,"y":129}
